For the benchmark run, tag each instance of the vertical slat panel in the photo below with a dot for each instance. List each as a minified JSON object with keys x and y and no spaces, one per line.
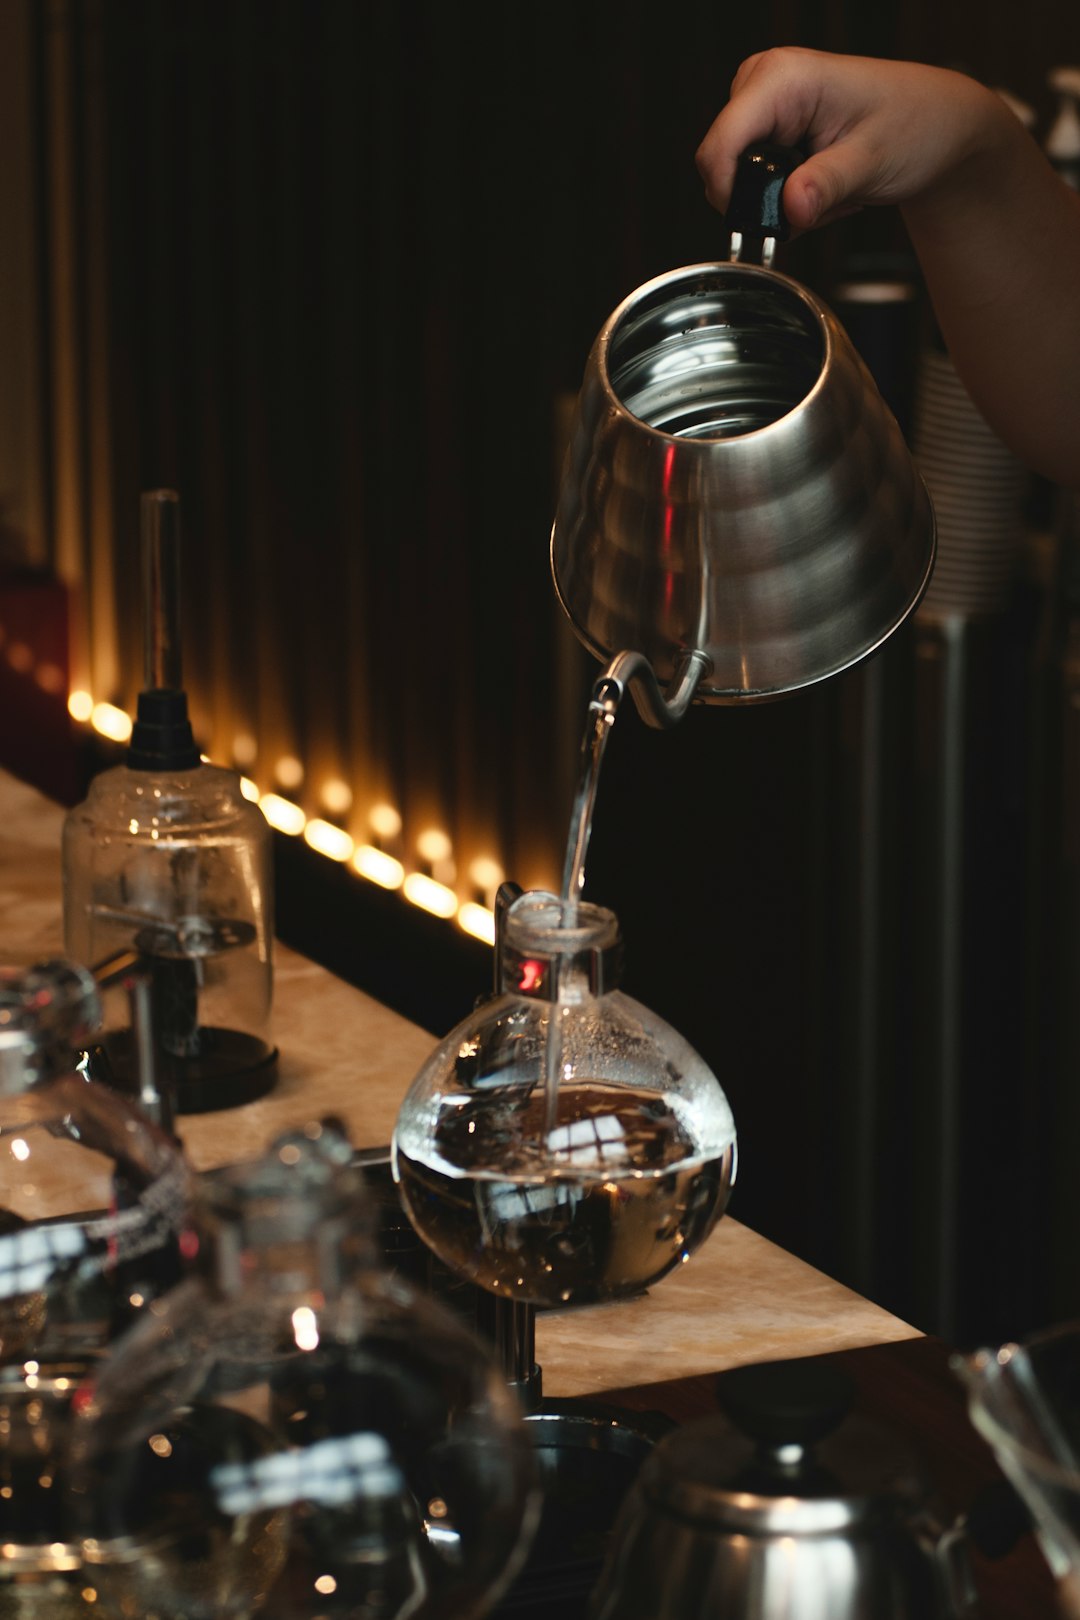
{"x":23,"y":467}
{"x":252,"y":472}
{"x":204,"y":339}
{"x":95,"y":407}
{"x":93,"y":661}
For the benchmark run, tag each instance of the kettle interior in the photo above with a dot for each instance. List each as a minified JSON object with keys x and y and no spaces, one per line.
{"x":726,"y":355}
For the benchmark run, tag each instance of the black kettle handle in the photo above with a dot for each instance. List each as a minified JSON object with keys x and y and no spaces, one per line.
{"x":755,"y":209}
{"x":782,"y":1403}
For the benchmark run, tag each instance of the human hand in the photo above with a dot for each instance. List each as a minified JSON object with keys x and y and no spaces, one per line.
{"x":876,"y":131}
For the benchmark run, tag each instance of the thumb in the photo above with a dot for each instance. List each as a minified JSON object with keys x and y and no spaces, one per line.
{"x":821,"y":189}
{"x":813,"y":191}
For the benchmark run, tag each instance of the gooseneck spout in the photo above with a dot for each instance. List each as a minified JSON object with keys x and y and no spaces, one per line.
{"x":657,"y":707}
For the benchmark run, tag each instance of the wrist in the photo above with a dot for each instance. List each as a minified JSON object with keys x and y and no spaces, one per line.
{"x":986,"y":153}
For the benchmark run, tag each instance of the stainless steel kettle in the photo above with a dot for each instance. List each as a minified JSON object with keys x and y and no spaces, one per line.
{"x":783,"y":1507}
{"x":736,"y":492}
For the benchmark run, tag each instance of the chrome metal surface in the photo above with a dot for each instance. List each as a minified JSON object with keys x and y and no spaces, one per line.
{"x":184,"y":938}
{"x":767,"y":249}
{"x":155,"y":1099}
{"x":735,"y":486}
{"x":656,"y":707}
{"x":717,"y":1524}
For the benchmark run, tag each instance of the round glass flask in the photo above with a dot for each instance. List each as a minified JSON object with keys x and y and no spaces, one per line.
{"x":563,"y":1143}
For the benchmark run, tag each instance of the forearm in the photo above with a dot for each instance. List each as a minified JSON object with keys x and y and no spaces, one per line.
{"x":996,"y":231}
{"x":999,"y":246}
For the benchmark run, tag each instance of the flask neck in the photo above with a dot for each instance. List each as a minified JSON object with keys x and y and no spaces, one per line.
{"x":295,"y":1223}
{"x":274,"y":1261}
{"x":552,"y":951}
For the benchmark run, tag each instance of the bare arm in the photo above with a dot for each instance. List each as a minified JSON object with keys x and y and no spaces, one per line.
{"x":996,"y":231}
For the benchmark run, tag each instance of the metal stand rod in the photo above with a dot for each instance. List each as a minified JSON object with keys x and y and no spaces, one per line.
{"x":509,"y":1327}
{"x":131,"y":970}
{"x":160,"y":531}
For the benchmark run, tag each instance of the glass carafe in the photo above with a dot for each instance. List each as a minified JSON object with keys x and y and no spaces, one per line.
{"x":563,"y":1143}
{"x":295,"y":1433}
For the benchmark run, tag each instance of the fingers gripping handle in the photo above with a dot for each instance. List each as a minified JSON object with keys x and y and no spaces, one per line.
{"x":755,"y":213}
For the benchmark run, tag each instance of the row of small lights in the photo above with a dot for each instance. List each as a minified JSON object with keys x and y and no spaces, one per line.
{"x":326,"y":838}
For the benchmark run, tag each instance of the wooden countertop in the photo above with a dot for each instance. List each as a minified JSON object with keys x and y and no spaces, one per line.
{"x":740,"y":1298}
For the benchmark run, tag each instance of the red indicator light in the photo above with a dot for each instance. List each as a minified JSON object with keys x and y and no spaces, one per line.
{"x":532,"y":976}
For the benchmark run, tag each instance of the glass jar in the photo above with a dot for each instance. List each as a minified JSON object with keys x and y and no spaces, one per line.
{"x":177,"y":865}
{"x":563,"y":1143}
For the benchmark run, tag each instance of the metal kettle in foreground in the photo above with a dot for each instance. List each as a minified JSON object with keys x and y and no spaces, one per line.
{"x":738,"y":507}
{"x":785,"y":1506}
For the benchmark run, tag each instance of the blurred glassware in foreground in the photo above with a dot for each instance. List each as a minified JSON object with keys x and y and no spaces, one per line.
{"x":1024,"y":1399}
{"x":93,"y":1194}
{"x":294,"y":1432}
{"x":564,"y":1144}
{"x":168,"y":857}
{"x":94,"y":1199}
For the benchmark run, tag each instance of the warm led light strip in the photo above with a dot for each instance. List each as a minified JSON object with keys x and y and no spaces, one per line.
{"x":325,"y":837}
{"x":424,"y":892}
{"x":378,"y":867}
{"x":329,"y":840}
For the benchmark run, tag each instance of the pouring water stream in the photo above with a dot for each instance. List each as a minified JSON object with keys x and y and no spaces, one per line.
{"x":657,"y":709}
{"x":599,"y":719}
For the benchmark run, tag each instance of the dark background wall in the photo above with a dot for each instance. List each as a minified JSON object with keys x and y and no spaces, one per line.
{"x":350,"y":259}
